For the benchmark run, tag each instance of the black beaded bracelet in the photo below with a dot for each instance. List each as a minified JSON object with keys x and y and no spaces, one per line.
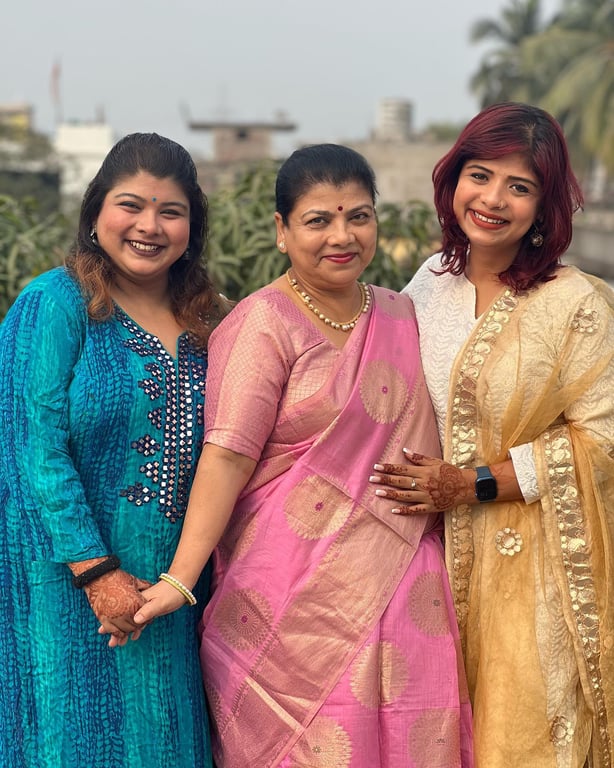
{"x":106,"y":566}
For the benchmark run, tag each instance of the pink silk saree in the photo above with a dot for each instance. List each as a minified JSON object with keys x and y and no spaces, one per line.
{"x":330,"y":639}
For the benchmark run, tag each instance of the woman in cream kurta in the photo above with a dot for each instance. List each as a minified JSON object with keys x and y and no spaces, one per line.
{"x":527,"y":576}
{"x":518,"y":353}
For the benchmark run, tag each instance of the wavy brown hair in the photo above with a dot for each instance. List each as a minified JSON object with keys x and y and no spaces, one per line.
{"x":500,"y":130}
{"x":194,"y":302}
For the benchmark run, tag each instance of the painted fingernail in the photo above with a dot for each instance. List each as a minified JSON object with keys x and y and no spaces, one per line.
{"x":375,"y":479}
{"x":378,"y":467}
{"x":380,"y":492}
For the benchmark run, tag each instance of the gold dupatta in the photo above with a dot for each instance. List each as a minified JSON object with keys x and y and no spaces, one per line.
{"x":533,"y":583}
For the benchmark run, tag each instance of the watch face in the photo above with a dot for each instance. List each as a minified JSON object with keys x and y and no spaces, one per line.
{"x":486,"y":489}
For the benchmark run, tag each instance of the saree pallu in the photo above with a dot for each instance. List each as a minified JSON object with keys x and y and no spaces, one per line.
{"x":330,"y":638}
{"x":533,"y":584}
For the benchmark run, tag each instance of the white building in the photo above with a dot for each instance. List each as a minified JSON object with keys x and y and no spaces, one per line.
{"x":393,"y":120}
{"x":81,"y":148}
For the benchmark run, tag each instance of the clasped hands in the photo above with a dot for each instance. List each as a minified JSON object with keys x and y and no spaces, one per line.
{"x":126,"y":604}
{"x":423,"y":486}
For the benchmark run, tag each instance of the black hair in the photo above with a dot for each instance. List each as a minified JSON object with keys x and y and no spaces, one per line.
{"x":320,"y":164}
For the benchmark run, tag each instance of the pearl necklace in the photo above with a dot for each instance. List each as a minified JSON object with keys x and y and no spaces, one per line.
{"x":345,"y":327}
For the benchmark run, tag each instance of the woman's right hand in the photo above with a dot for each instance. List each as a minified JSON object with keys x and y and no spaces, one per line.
{"x":160,"y":599}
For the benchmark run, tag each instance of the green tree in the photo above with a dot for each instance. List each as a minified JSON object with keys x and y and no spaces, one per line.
{"x":577,"y":54}
{"x":29,"y":244}
{"x":501,"y":76}
{"x":29,"y":168}
{"x":565,"y":66}
{"x":407,"y":235}
{"x":243,"y":256}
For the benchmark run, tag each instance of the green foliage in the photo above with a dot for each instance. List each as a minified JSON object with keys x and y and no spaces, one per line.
{"x":29,"y":168}
{"x":29,"y":244}
{"x":243,"y":256}
{"x":501,"y":76}
{"x":581,"y":91}
{"x":565,"y":66}
{"x":42,"y":185}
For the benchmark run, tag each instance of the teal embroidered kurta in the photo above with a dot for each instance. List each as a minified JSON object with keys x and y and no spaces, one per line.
{"x":101,"y":431}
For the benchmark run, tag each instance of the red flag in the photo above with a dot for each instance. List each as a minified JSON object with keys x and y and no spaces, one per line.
{"x":55,"y":82}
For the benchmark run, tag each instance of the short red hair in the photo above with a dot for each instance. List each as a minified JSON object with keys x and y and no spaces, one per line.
{"x":500,"y":130}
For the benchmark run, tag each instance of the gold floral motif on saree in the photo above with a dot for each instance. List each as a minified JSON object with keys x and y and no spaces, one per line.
{"x":325,"y":744}
{"x":383,"y":391}
{"x":379,"y":666}
{"x":427,"y":747}
{"x":427,"y":605}
{"x":244,"y":618}
{"x":314,"y":509}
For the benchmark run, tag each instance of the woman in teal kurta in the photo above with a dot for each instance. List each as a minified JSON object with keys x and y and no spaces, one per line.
{"x":102,"y":426}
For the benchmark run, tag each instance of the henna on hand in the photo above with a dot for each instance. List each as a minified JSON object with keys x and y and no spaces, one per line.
{"x":448,"y":488}
{"x":398,"y":470}
{"x":116,"y":596}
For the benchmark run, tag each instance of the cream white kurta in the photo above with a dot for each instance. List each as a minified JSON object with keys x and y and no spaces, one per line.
{"x":445,"y":308}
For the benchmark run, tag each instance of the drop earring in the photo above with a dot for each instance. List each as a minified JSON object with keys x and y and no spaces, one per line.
{"x":93,"y":236}
{"x":537,"y":239}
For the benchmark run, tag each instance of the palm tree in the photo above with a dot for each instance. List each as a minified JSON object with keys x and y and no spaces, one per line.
{"x":580,"y":49}
{"x":501,"y":76}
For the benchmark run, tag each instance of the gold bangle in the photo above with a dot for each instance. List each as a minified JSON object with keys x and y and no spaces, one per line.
{"x":189,"y":597}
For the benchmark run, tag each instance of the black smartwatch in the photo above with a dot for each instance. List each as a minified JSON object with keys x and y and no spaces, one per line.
{"x":485,"y":485}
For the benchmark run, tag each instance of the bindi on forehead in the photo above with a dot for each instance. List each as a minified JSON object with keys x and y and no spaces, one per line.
{"x":339,"y":207}
{"x":153,"y":199}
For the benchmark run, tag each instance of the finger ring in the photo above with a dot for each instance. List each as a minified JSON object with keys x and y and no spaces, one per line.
{"x":413,"y":484}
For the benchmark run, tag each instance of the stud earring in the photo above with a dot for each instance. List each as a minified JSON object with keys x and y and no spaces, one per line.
{"x":537,"y":239}
{"x":282,"y":246}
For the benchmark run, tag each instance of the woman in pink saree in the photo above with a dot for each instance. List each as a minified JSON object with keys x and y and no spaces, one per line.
{"x":330,"y":637}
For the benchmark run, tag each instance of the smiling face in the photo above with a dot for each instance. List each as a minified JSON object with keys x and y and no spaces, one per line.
{"x":495,"y":203}
{"x":330,"y":236}
{"x":144,"y":227}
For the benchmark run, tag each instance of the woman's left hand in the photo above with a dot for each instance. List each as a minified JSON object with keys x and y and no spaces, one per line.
{"x":425,"y":485}
{"x":115,"y":597}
